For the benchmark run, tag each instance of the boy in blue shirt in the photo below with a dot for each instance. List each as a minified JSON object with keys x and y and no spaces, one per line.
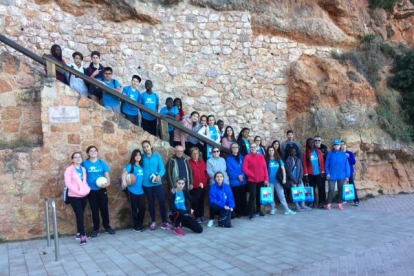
{"x":150,"y":100}
{"x":109,"y":101}
{"x":171,"y":111}
{"x":132,"y":92}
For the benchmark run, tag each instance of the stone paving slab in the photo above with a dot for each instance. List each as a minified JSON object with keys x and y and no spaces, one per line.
{"x":367,"y":240}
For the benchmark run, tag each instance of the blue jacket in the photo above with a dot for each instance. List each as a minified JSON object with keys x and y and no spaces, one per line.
{"x":337,"y":165}
{"x":221,"y":195}
{"x":234,"y":170}
{"x":153,"y":164}
{"x":351,"y":160}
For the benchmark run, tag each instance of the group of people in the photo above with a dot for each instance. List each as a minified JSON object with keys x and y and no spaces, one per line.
{"x":233,"y":182}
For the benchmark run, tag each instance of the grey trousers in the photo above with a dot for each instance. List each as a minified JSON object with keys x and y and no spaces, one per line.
{"x":331,"y":190}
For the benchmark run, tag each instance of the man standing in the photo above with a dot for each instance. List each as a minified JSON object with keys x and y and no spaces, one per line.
{"x":110,"y":101}
{"x":150,"y":100}
{"x":178,"y":166}
{"x":289,"y":143}
{"x":320,"y":146}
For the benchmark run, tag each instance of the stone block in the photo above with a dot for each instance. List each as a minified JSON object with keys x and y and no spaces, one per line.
{"x":74,"y":139}
{"x":11,"y":126}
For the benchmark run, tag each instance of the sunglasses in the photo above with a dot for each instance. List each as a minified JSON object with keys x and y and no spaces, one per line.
{"x":318,"y":140}
{"x":215,"y":151}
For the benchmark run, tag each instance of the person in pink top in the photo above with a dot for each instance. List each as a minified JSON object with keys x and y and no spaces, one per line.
{"x":180,"y":137}
{"x":75,"y":181}
{"x":255,"y":168}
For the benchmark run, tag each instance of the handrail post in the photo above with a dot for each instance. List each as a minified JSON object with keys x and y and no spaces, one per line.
{"x":55,"y":231}
{"x":51,"y":69}
{"x":47,"y":222}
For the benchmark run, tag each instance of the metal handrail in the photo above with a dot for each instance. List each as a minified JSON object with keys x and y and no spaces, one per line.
{"x":62,"y":68}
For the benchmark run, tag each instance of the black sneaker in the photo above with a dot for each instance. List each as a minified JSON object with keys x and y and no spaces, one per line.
{"x":83,"y":240}
{"x":95,"y":234}
{"x":261,"y":214}
{"x":139,"y":229}
{"x":251,"y":216}
{"x":110,"y":231}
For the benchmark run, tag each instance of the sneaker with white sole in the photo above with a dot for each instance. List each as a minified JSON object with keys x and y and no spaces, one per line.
{"x":153,"y":226}
{"x":166,"y":226}
{"x":78,"y":237}
{"x":306,"y":208}
{"x":210,"y":223}
{"x":290,"y":212}
{"x":83,"y":240}
{"x":273,"y":211}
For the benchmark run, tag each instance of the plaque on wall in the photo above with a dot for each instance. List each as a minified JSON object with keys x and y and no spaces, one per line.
{"x":64,"y":114}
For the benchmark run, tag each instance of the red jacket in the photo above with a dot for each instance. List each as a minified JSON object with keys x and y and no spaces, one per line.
{"x":307,"y":164}
{"x":199,"y":173}
{"x":255,"y":168}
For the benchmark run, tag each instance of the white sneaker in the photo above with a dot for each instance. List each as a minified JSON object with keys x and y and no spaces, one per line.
{"x":290,"y":212}
{"x":210,"y":223}
{"x":273,"y":211}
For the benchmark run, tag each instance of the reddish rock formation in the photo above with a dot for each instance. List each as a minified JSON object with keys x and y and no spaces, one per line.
{"x":334,"y":101}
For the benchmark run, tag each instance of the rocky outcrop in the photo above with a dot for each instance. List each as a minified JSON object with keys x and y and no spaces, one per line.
{"x":334,"y":101}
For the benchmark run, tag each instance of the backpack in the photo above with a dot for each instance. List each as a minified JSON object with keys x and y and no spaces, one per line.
{"x":279,"y":174}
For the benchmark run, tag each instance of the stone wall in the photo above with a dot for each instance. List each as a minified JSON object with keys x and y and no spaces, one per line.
{"x":19,"y":103}
{"x":28,"y":175}
{"x":210,"y":59}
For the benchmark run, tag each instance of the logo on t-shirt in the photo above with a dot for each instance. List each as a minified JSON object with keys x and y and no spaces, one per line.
{"x":140,"y":172}
{"x":149,"y":101}
{"x":93,"y":169}
{"x":132,"y":96}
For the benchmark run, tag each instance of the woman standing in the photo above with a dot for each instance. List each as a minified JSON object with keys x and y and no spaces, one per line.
{"x":154,"y":170}
{"x":238,"y":180}
{"x":294,"y":172}
{"x":337,"y":171}
{"x":205,"y":132}
{"x":352,"y":162}
{"x":260,"y":148}
{"x":314,"y":171}
{"x":255,"y":169}
{"x":228,"y":137}
{"x":243,"y":141}
{"x":274,"y":164}
{"x":75,"y":181}
{"x":98,"y":197}
{"x":56,"y":52}
{"x":192,"y":141}
{"x":221,"y":202}
{"x":278,"y":150}
{"x":135,"y":191}
{"x":216,"y":164}
{"x":200,"y":178}
{"x":214,"y":134}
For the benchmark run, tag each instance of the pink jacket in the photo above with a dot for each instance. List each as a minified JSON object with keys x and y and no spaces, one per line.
{"x":180,"y":136}
{"x":77,"y":187}
{"x":255,"y":168}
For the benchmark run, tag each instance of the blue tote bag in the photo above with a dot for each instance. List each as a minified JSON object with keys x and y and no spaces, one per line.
{"x":266,"y":195}
{"x":298,"y":194}
{"x":348,"y":192}
{"x":309,"y":194}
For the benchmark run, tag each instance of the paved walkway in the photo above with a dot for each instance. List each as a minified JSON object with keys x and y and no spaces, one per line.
{"x":373,"y":239}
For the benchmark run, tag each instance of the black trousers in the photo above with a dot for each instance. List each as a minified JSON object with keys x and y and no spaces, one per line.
{"x":98,"y":201}
{"x":150,"y":126}
{"x":254,"y":196}
{"x":199,"y":205}
{"x":138,"y":206}
{"x":224,"y":215}
{"x":239,"y":194}
{"x":316,"y":181}
{"x":185,"y":220}
{"x":132,"y":118}
{"x":78,"y":206}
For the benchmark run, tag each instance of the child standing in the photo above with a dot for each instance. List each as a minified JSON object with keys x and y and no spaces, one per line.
{"x":132,"y":92}
{"x":172,"y":112}
{"x":150,"y":100}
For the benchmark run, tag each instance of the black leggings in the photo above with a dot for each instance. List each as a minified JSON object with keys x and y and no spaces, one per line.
{"x":254,"y":196}
{"x":239,"y":193}
{"x":78,"y":206}
{"x":137,"y":203}
{"x":317,"y":181}
{"x":185,"y":220}
{"x":98,"y":200}
{"x":149,"y":126}
{"x":199,"y":205}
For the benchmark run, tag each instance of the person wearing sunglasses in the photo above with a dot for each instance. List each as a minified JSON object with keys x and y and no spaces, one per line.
{"x":217,"y":164}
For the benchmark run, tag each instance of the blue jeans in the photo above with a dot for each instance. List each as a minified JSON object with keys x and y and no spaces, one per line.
{"x":152,"y":193}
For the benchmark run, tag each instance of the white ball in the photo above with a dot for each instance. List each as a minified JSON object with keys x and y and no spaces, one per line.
{"x":152,"y":177}
{"x":101,"y":182}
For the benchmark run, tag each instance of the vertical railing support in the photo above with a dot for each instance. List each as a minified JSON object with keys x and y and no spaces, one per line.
{"x":51,"y":69}
{"x":47,"y":222}
{"x":55,"y":231}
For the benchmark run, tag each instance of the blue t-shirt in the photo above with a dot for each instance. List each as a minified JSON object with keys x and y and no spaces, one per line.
{"x":260,"y":150}
{"x":273,"y":167}
{"x":172,"y":113}
{"x":315,"y":163}
{"x":80,"y":172}
{"x":95,"y":170}
{"x":152,"y":102}
{"x":108,"y":99}
{"x":179,"y":201}
{"x":247,"y":142}
{"x":213,"y":132}
{"x":134,"y":95}
{"x":139,"y":174}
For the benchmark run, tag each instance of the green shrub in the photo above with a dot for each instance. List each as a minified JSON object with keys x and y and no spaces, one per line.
{"x":370,"y":196}
{"x":385,"y":4}
{"x":381,"y":192}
